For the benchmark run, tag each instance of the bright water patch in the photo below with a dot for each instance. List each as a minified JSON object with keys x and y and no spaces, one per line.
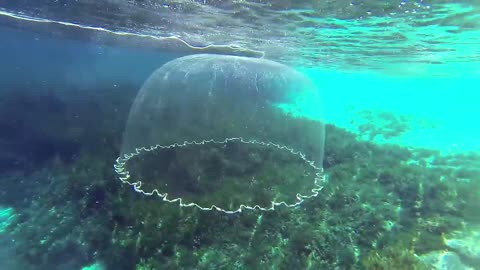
{"x":433,"y":112}
{"x":6,"y":218}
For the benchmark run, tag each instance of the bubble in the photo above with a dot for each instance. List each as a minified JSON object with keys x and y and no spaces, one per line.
{"x":225,"y":133}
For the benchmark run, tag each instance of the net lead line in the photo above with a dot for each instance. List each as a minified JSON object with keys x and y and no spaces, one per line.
{"x":124,"y":176}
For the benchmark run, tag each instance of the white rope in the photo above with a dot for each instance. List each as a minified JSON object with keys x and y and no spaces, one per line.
{"x":124,"y":176}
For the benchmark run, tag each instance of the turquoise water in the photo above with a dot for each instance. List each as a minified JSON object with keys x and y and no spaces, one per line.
{"x":447,"y":106}
{"x":398,"y":83}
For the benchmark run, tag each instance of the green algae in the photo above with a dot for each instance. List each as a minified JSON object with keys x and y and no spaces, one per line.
{"x":377,"y":210}
{"x":393,"y":257}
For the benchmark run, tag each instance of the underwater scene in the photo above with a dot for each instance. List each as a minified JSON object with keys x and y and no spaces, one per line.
{"x":239,"y":134}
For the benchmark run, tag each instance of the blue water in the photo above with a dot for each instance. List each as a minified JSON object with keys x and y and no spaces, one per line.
{"x":37,"y":58}
{"x":447,"y":101}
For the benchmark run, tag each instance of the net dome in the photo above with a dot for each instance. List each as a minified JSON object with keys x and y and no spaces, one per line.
{"x":225,"y":133}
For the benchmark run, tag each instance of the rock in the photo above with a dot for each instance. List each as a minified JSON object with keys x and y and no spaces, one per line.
{"x":444,"y":260}
{"x":467,"y":245}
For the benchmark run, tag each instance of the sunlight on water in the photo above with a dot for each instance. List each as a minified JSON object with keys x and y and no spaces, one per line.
{"x":397,"y":37}
{"x":6,"y":217}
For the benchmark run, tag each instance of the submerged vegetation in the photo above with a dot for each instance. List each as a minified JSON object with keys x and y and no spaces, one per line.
{"x":382,"y":208}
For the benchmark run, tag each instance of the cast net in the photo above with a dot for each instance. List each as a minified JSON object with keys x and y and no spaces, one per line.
{"x":225,"y":133}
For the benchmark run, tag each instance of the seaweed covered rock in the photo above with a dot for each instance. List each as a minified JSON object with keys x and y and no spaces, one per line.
{"x":466,"y":245}
{"x":444,"y":260}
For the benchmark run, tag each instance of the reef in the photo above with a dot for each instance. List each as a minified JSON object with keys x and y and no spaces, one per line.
{"x":383,"y":207}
